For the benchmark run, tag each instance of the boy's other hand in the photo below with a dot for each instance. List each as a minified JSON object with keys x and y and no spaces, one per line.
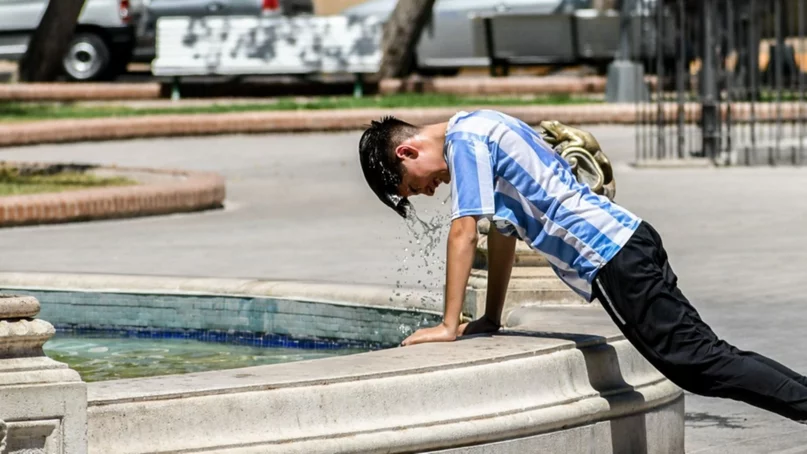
{"x":480,"y":326}
{"x":439,"y":333}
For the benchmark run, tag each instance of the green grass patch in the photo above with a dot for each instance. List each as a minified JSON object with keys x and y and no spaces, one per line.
{"x":42,"y":111}
{"x":12,"y":182}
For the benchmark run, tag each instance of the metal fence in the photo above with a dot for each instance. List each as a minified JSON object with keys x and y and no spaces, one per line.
{"x":733,"y":88}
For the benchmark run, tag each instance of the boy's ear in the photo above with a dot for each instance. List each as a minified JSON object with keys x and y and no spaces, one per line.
{"x":404,"y":151}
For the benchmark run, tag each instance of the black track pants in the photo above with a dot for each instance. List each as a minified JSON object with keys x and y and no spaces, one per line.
{"x":639,"y":291}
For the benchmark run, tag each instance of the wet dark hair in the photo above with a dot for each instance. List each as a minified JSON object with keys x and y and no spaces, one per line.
{"x":382,"y":168}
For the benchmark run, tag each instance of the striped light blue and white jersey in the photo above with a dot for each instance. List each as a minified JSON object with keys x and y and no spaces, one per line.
{"x":502,"y":169}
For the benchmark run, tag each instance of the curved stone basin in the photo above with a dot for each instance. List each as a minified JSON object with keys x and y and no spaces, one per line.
{"x":559,"y":379}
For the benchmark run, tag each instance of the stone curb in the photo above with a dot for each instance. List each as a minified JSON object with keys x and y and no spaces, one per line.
{"x":194,"y":191}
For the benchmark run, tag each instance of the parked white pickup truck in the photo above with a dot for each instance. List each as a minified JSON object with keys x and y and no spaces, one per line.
{"x":100,"y":49}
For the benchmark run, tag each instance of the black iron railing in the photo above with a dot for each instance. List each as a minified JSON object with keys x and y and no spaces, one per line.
{"x":733,"y":90}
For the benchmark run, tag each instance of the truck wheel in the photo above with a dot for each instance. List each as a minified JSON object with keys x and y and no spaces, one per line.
{"x":87,"y":58}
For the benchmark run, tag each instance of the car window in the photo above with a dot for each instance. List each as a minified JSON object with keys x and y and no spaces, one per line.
{"x":546,"y":6}
{"x":470,"y":5}
{"x":21,"y":14}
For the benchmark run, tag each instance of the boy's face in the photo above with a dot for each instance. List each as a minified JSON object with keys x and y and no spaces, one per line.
{"x":424,"y":169}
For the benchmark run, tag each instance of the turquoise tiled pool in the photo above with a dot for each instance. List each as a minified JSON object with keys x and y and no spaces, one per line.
{"x":109,"y":335}
{"x":106,"y":355}
{"x":309,"y":322}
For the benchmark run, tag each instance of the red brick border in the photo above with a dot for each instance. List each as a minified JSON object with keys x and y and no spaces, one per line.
{"x":494,"y":85}
{"x":416,"y":84}
{"x":195,"y":191}
{"x":78,"y":92}
{"x":57,"y":131}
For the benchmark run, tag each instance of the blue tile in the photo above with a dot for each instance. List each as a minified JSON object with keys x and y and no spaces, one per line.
{"x":262,"y":322}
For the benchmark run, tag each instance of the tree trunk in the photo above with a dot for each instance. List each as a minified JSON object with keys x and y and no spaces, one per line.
{"x":401,"y":35}
{"x":49,"y":43}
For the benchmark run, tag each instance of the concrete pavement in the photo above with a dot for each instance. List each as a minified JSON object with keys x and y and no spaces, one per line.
{"x":298,"y":208}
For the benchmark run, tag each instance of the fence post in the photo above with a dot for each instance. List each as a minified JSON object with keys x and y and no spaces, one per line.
{"x":680,"y":72}
{"x":710,"y":104}
{"x":625,"y":77}
{"x":779,"y":55}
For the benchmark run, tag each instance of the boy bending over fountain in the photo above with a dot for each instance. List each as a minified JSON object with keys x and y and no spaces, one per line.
{"x":500,"y":168}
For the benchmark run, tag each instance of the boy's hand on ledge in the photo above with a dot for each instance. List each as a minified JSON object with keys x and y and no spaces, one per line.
{"x":444,"y":333}
{"x":480,"y":326}
{"x":439,"y":333}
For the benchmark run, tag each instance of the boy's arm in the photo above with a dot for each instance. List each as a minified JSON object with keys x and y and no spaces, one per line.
{"x":462,"y":240}
{"x":501,"y":253}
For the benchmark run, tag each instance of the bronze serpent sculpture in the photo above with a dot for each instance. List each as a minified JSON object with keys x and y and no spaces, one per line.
{"x":581,"y":150}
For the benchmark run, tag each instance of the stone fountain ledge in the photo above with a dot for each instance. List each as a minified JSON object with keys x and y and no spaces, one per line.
{"x":158,"y":192}
{"x":559,"y":379}
{"x":514,"y":392}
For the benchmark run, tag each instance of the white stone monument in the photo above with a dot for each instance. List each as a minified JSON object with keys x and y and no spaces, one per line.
{"x":43,"y":403}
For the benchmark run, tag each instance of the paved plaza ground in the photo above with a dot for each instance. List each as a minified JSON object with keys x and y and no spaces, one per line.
{"x":298,"y":208}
